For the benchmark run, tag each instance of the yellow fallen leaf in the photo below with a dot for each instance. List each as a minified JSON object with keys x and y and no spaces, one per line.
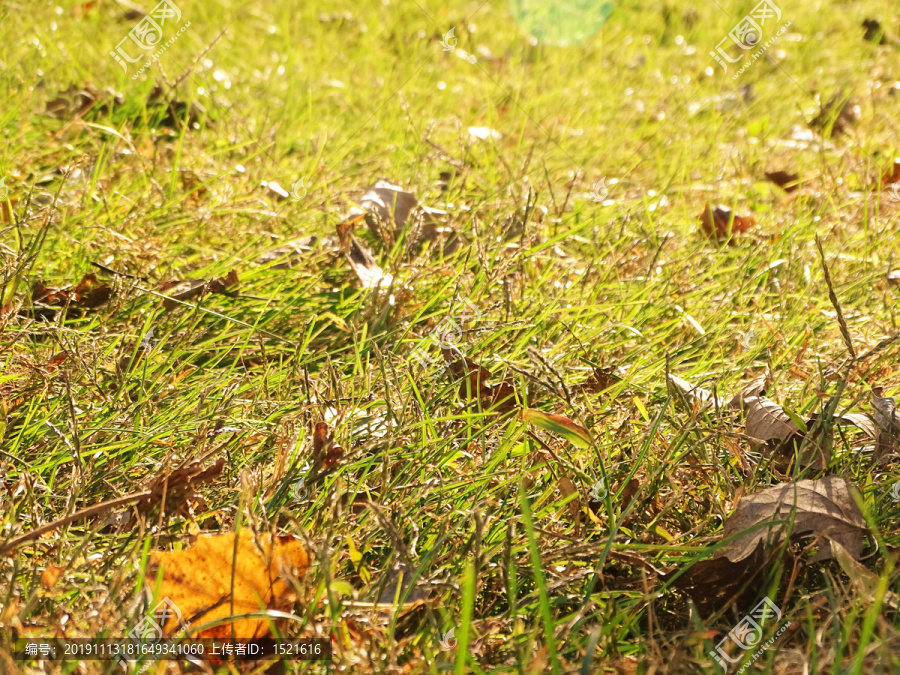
{"x":199,"y":581}
{"x":50,"y":576}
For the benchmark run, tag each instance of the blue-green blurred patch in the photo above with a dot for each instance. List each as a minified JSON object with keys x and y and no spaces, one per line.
{"x":561,"y":22}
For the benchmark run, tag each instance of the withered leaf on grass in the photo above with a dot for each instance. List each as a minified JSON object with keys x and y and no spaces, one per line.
{"x":475,"y":386}
{"x":789,"y":182}
{"x":714,"y":582}
{"x":200,"y":583}
{"x":192,"y":288}
{"x":839,"y":114}
{"x":720,"y":221}
{"x":89,"y":293}
{"x":385,"y":205}
{"x":887,"y":422}
{"x":823,"y":508}
{"x":365,"y":266}
{"x":892,"y":175}
{"x":179,"y":485}
{"x":689,"y":395}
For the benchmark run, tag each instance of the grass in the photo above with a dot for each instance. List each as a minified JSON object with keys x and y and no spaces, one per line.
{"x":488,"y":520}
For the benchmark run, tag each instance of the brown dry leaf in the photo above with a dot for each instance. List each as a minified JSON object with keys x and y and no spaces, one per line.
{"x":199,"y":581}
{"x":388,"y":203}
{"x":51,"y":575}
{"x":824,"y":508}
{"x":599,"y":380}
{"x":192,"y":288}
{"x":475,"y":385}
{"x":568,"y":488}
{"x":839,"y":114}
{"x":179,"y":485}
{"x":756,"y":387}
{"x":715,"y":582}
{"x":362,"y":262}
{"x":875,"y":32}
{"x":720,"y":221}
{"x":887,"y":422}
{"x":892,"y":175}
{"x":789,"y":182}
{"x":689,"y":395}
{"x":89,"y":293}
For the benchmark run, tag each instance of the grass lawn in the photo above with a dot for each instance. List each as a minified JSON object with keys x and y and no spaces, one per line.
{"x":463,"y":424}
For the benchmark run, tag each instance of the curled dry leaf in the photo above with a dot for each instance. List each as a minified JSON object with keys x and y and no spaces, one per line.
{"x":756,"y":387}
{"x":690,"y":396}
{"x":789,"y":182}
{"x":573,"y":432}
{"x":474,"y":385}
{"x":823,"y":508}
{"x":363,"y":263}
{"x":89,"y":293}
{"x":388,"y":206}
{"x":219,"y":573}
{"x":887,"y":423}
{"x":720,"y":221}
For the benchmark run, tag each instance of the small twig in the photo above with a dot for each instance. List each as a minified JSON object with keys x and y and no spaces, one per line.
{"x":197,"y":58}
{"x":78,"y":515}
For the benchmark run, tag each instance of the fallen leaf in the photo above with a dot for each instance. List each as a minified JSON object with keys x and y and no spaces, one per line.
{"x":362,"y":262}
{"x":179,"y":485}
{"x":837,"y":115}
{"x":720,"y":221}
{"x":599,"y":380}
{"x":208,"y":582}
{"x":887,"y":422}
{"x":874,"y":32}
{"x":756,"y":387}
{"x":716,"y":582}
{"x":892,"y":175}
{"x":690,"y":395}
{"x":51,"y":575}
{"x":789,"y":182}
{"x":474,"y":383}
{"x":560,"y":425}
{"x":89,"y":293}
{"x":824,"y":508}
{"x":567,"y":488}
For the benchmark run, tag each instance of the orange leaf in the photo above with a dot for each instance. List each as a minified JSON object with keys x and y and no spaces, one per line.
{"x":719,"y":221}
{"x":206,"y":581}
